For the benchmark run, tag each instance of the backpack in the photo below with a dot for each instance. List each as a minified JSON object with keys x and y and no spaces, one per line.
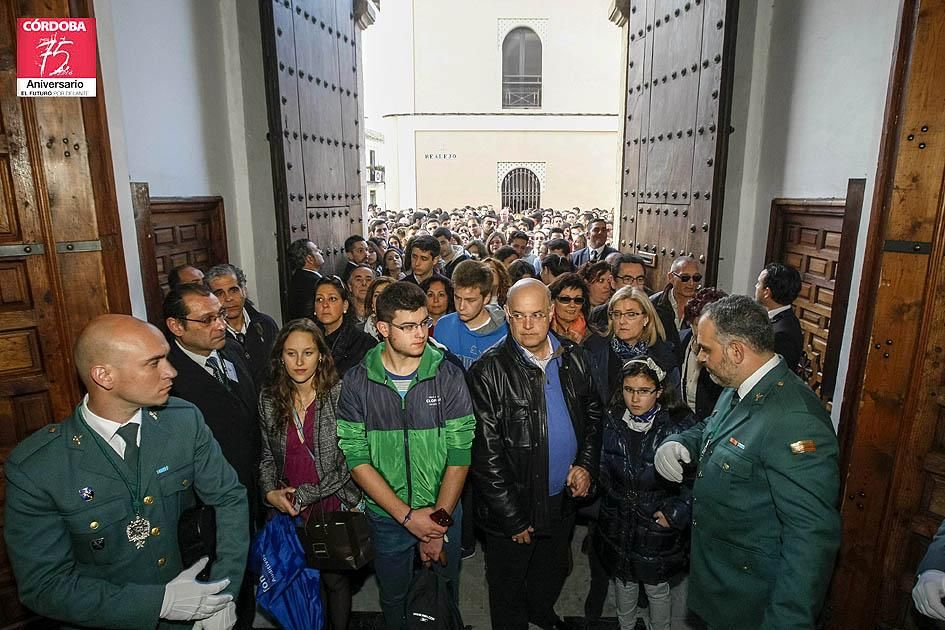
{"x":430,"y":601}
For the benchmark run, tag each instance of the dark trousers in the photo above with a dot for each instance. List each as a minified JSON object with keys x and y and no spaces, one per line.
{"x":526,"y":580}
{"x":336,"y":599}
{"x":395,"y":554}
{"x":600,"y":581}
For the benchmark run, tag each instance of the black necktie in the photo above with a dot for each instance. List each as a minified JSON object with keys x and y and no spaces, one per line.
{"x":218,"y":371}
{"x":129,"y":433}
{"x":593,"y":255}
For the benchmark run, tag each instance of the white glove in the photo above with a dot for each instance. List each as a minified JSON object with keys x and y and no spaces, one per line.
{"x":928,"y":593}
{"x":667,"y":460}
{"x":186,"y":599}
{"x":222,"y":620}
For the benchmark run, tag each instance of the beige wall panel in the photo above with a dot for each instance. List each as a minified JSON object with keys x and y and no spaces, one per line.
{"x":455,"y":168}
{"x":454,"y":33}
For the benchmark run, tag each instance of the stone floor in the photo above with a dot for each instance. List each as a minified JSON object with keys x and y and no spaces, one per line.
{"x":474,"y":597}
{"x":474,"y":594}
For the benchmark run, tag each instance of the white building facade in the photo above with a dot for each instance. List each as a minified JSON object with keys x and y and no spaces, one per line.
{"x":496,"y":103}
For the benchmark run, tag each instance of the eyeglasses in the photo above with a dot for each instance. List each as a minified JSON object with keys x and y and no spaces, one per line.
{"x":641,"y":280}
{"x":567,"y":300}
{"x":209,"y":319}
{"x":519,"y":317}
{"x":638,"y":392}
{"x":685,"y":277}
{"x":412,"y":327}
{"x":618,"y":315}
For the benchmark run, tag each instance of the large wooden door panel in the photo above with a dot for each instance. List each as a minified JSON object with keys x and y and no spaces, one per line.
{"x":59,"y":233}
{"x":679,"y":72}
{"x":311,"y":59}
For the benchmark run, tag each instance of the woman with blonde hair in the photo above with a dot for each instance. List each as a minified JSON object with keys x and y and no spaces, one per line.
{"x":301,"y":470}
{"x":634,"y":329}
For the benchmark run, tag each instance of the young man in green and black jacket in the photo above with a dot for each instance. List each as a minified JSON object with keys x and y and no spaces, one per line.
{"x":406,"y":427}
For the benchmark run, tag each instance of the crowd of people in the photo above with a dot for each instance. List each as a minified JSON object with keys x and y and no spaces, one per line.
{"x":469,"y":379}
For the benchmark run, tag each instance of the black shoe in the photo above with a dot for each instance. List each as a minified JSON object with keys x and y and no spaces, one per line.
{"x":468,"y":553}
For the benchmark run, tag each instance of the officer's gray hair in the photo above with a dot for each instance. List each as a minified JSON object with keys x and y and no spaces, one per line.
{"x":738,"y":317}
{"x":226,"y":269}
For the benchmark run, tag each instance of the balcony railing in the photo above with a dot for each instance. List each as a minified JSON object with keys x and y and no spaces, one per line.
{"x":375,"y":175}
{"x":521,"y":90}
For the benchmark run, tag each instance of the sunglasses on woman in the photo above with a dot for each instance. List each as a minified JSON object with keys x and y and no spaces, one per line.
{"x":567,"y":300}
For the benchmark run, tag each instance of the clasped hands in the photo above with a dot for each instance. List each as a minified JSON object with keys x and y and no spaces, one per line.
{"x":578,"y":481}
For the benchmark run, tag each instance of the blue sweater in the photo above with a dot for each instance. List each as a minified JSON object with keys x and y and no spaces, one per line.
{"x":469,"y":344}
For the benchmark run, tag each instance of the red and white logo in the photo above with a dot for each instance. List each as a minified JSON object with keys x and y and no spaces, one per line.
{"x":55,"y":56}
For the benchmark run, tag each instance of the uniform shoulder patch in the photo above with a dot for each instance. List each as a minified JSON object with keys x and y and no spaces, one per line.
{"x":803,"y":446}
{"x":35,"y":443}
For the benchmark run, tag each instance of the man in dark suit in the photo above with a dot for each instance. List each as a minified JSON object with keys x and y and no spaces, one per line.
{"x":306,"y":259}
{"x":597,"y":247}
{"x":682,"y":282}
{"x":212,"y":374}
{"x":253,"y":330}
{"x":356,"y":249}
{"x":777,"y":287}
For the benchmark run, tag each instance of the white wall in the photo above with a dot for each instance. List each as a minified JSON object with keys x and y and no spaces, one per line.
{"x":186,"y":108}
{"x":810,"y":90}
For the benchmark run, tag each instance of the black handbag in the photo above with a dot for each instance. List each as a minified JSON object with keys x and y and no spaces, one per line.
{"x":197,"y":537}
{"x":337,"y":541}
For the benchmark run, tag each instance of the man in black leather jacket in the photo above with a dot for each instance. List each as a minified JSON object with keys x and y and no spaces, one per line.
{"x":537,"y":444}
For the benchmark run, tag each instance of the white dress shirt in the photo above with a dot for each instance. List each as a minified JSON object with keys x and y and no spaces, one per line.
{"x":108,"y":429}
{"x":745,"y":388}
{"x":780,"y":309}
{"x":202,"y":360}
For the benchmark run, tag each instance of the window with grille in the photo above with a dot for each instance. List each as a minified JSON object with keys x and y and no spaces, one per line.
{"x":521,"y":190}
{"x":521,"y":69}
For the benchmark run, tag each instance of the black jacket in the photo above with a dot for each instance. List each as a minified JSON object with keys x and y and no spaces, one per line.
{"x":348,"y":346}
{"x":509,"y":468}
{"x":583,"y":256}
{"x":231,"y":413}
{"x":664,"y":308}
{"x":707,"y":390}
{"x":630,"y":545}
{"x":302,"y":294}
{"x":788,"y":338}
{"x":606,"y":364}
{"x":261,"y":332}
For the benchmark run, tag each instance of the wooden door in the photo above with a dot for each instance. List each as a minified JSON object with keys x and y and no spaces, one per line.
{"x":675,"y":136}
{"x":312,"y":51}
{"x":818,"y":238}
{"x":175,"y":231}
{"x":892,"y":426}
{"x":59,"y":233}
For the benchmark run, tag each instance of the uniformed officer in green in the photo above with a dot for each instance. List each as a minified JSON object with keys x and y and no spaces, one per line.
{"x":765,"y":519}
{"x":92,"y":503}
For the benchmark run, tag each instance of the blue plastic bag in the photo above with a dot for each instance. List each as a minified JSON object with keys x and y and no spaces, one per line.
{"x":288,"y":589}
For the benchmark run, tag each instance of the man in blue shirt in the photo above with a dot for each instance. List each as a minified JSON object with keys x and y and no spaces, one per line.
{"x":475,"y":326}
{"x":537,"y":445}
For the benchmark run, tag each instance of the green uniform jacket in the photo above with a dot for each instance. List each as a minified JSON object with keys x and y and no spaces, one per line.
{"x":765,"y":519}
{"x":67,"y":509}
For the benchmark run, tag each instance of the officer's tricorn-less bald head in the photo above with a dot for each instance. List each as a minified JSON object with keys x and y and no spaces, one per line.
{"x":123,"y":363}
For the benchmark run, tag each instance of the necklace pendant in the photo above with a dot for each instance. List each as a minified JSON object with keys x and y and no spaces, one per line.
{"x":138,"y":531}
